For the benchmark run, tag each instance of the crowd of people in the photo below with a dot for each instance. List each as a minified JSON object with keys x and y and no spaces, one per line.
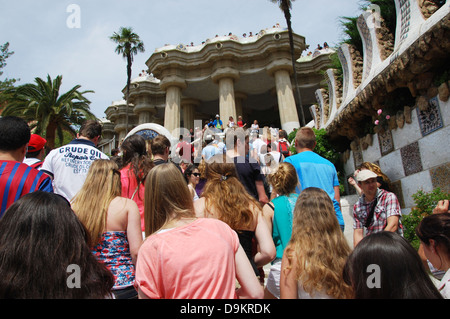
{"x":148,"y":223}
{"x":232,"y":36}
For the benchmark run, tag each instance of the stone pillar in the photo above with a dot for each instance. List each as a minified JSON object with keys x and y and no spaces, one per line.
{"x":225,"y":77}
{"x":239,"y":98}
{"x":145,"y":113}
{"x":173,"y":86}
{"x":281,"y":69}
{"x":188,"y":107}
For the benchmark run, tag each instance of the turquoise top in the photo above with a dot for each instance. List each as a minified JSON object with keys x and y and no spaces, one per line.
{"x":282,"y":221}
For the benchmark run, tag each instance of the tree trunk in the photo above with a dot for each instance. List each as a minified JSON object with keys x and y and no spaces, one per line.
{"x":287,"y":15}
{"x":50,"y":135}
{"x":129,"y":63}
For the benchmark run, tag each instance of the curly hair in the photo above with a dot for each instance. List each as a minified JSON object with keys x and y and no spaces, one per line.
{"x":318,"y":246}
{"x":284,"y":180}
{"x":226,"y":195}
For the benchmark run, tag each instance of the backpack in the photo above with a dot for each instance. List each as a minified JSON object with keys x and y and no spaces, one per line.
{"x":284,"y":148}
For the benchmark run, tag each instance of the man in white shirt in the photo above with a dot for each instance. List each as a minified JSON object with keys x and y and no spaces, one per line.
{"x":256,"y":146}
{"x":68,"y":165}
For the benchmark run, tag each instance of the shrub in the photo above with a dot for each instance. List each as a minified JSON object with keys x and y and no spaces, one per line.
{"x":425,"y":203}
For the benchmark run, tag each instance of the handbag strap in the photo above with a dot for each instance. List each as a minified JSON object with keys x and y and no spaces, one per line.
{"x":371,"y":212}
{"x":135,"y":191}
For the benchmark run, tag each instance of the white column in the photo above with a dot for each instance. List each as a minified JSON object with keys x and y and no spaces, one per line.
{"x":239,"y":98}
{"x":172,"y":112}
{"x":173,"y":86}
{"x":286,"y":102}
{"x":225,"y":78}
{"x":188,"y":107}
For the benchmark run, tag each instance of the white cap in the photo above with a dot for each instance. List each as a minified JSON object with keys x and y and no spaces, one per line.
{"x":365,"y":174}
{"x":217,"y":115}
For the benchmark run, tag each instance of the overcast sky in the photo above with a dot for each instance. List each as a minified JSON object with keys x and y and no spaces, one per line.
{"x":38,"y":32}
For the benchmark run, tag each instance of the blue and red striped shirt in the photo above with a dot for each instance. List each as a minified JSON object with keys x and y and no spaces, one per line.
{"x":18,"y":179}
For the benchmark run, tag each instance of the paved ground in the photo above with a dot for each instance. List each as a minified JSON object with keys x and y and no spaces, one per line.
{"x":347,"y":203}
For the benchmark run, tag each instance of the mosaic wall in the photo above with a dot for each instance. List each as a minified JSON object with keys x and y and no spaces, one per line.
{"x":405,"y":14}
{"x":414,"y":157}
{"x":430,"y":120}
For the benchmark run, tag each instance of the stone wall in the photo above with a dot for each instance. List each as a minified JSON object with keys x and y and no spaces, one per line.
{"x":411,"y":147}
{"x":416,"y":156}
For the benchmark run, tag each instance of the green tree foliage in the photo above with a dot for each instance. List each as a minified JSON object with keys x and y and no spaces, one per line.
{"x":6,"y":83}
{"x":425,"y":203}
{"x":349,"y":24}
{"x":351,"y":33}
{"x":128,"y":45}
{"x":47,"y":111}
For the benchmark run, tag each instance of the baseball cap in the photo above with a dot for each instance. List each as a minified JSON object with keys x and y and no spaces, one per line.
{"x":365,"y":174}
{"x":217,"y":115}
{"x":36,"y":143}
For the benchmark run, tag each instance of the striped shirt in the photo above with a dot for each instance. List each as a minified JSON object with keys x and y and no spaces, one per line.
{"x":18,"y":179}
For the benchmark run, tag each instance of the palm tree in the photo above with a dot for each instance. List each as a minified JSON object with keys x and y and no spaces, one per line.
{"x":350,"y":30}
{"x":286,"y":6}
{"x":128,"y":44}
{"x":48,"y":112}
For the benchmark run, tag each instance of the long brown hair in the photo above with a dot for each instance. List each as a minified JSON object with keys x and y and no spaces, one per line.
{"x":91,"y":203}
{"x":40,"y":237}
{"x":167,"y":197}
{"x":135,"y":154}
{"x":225,"y":194}
{"x":318,"y":245}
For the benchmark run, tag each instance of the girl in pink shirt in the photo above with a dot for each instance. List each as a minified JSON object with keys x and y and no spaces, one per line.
{"x":136,"y":165}
{"x":185,"y":257}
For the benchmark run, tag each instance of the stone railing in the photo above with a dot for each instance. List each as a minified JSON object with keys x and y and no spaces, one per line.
{"x":378,"y":67}
{"x":407,"y":67}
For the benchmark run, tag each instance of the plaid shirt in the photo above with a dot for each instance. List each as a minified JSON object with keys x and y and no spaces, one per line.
{"x":387,"y":206}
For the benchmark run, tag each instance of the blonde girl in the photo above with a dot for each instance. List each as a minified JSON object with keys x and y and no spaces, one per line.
{"x":113,"y":223}
{"x":313,"y":262}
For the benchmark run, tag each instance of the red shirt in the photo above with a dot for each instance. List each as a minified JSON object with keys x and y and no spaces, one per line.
{"x":18,"y":179}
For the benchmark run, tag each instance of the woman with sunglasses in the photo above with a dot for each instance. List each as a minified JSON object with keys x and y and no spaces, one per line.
{"x":192,"y":175}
